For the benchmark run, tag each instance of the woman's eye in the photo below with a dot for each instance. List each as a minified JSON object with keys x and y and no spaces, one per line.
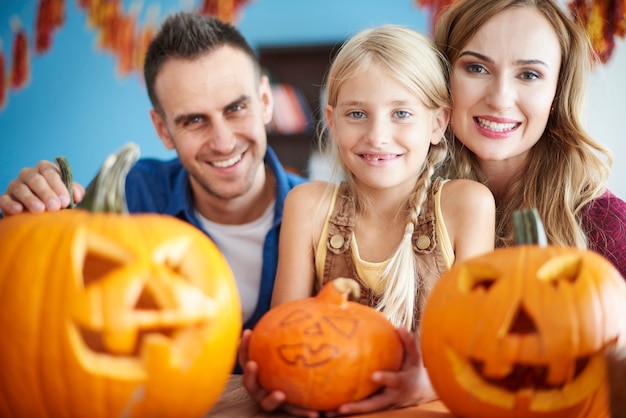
{"x":476,"y":68}
{"x":530,"y":75}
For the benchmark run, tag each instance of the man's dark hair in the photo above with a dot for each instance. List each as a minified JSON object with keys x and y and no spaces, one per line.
{"x":187,"y":36}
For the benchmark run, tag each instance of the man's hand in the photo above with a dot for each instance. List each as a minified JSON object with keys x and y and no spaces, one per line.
{"x":38,"y":189}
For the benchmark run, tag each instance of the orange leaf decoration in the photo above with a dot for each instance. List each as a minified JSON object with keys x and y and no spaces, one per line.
{"x":603,"y":20}
{"x":3,"y":84}
{"x":20,"y":70}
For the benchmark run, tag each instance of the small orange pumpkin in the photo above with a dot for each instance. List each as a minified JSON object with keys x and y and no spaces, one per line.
{"x":109,"y":315}
{"x":522,"y":332}
{"x":322,"y":350}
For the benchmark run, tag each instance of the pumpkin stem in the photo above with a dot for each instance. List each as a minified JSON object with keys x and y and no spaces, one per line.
{"x":529,"y":229}
{"x":344,"y":286}
{"x":66,"y":177}
{"x":107,"y":191}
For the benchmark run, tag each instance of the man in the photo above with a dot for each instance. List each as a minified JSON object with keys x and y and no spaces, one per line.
{"x":211,"y":103}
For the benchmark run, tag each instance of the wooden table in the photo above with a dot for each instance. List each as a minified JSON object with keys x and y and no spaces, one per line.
{"x":236,"y":403}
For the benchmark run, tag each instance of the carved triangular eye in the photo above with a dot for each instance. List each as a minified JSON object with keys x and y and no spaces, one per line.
{"x":295,"y":316}
{"x":101,"y":256}
{"x":483,"y":284}
{"x":561,"y":268}
{"x":344,"y":326}
{"x":477,"y":277}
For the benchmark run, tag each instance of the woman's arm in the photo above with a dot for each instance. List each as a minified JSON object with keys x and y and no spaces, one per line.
{"x":604,"y":221}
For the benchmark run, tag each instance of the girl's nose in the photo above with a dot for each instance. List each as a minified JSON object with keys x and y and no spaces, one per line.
{"x":377,"y":132}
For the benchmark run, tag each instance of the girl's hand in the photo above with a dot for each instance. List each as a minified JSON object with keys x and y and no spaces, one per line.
{"x":269,"y":401}
{"x":407,"y":387}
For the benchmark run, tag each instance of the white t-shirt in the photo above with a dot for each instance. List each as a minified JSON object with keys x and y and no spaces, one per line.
{"x":242,"y":245}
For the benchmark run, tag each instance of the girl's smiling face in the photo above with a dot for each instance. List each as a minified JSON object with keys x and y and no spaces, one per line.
{"x":503,"y":85}
{"x":383,"y":132}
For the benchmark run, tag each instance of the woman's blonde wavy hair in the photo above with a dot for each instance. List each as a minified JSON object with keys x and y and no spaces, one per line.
{"x":566,"y":168}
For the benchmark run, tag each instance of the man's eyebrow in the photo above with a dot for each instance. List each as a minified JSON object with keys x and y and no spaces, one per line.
{"x":489,"y":60}
{"x":240,"y":99}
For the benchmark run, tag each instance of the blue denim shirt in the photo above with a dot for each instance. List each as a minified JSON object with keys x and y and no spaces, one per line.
{"x":163,"y":187}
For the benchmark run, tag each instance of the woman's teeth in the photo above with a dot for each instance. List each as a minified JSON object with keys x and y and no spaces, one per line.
{"x":494,"y":126}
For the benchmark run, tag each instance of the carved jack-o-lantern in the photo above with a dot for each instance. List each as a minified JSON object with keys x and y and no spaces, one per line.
{"x":321,"y":351}
{"x":108,"y":315}
{"x":522,"y":332}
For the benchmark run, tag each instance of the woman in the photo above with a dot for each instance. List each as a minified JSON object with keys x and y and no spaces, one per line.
{"x":517,"y":99}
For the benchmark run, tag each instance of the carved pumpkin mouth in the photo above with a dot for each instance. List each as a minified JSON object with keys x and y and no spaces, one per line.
{"x":307,"y":355}
{"x":528,"y":384}
{"x":132,"y":314}
{"x":523,"y":376}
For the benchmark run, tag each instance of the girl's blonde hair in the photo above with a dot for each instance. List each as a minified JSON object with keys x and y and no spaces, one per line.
{"x":566,"y":168}
{"x":412,"y":59}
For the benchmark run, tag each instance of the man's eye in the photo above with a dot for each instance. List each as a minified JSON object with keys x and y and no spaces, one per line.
{"x":191,"y":120}
{"x":235,"y":108}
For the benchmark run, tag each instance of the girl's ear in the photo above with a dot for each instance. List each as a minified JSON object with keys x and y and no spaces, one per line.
{"x":161,"y":129}
{"x":441,"y":118}
{"x":329,"y":111}
{"x":265,"y":91}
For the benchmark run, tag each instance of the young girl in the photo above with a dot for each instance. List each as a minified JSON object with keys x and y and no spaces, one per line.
{"x":388,"y":224}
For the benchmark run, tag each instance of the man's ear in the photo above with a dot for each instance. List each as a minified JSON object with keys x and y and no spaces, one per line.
{"x":161,"y":129}
{"x":265,"y":92}
{"x":440,"y":124}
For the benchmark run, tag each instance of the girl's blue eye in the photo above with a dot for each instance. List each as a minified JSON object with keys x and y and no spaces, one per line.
{"x":402,"y":114}
{"x":356,"y":114}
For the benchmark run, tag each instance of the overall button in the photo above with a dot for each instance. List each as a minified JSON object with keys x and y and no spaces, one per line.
{"x":336,"y":241}
{"x":423,"y":242}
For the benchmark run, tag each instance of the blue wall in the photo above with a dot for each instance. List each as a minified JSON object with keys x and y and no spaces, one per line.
{"x":76,"y":105}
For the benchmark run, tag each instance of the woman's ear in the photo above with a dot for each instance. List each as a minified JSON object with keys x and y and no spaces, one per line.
{"x":161,"y":129}
{"x":441,"y":118}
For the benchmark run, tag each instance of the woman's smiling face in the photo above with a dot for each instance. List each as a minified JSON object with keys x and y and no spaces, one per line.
{"x":503,"y":85}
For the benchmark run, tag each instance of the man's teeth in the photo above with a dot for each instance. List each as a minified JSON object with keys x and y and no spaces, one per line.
{"x":227,"y":163}
{"x":496,"y":127}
